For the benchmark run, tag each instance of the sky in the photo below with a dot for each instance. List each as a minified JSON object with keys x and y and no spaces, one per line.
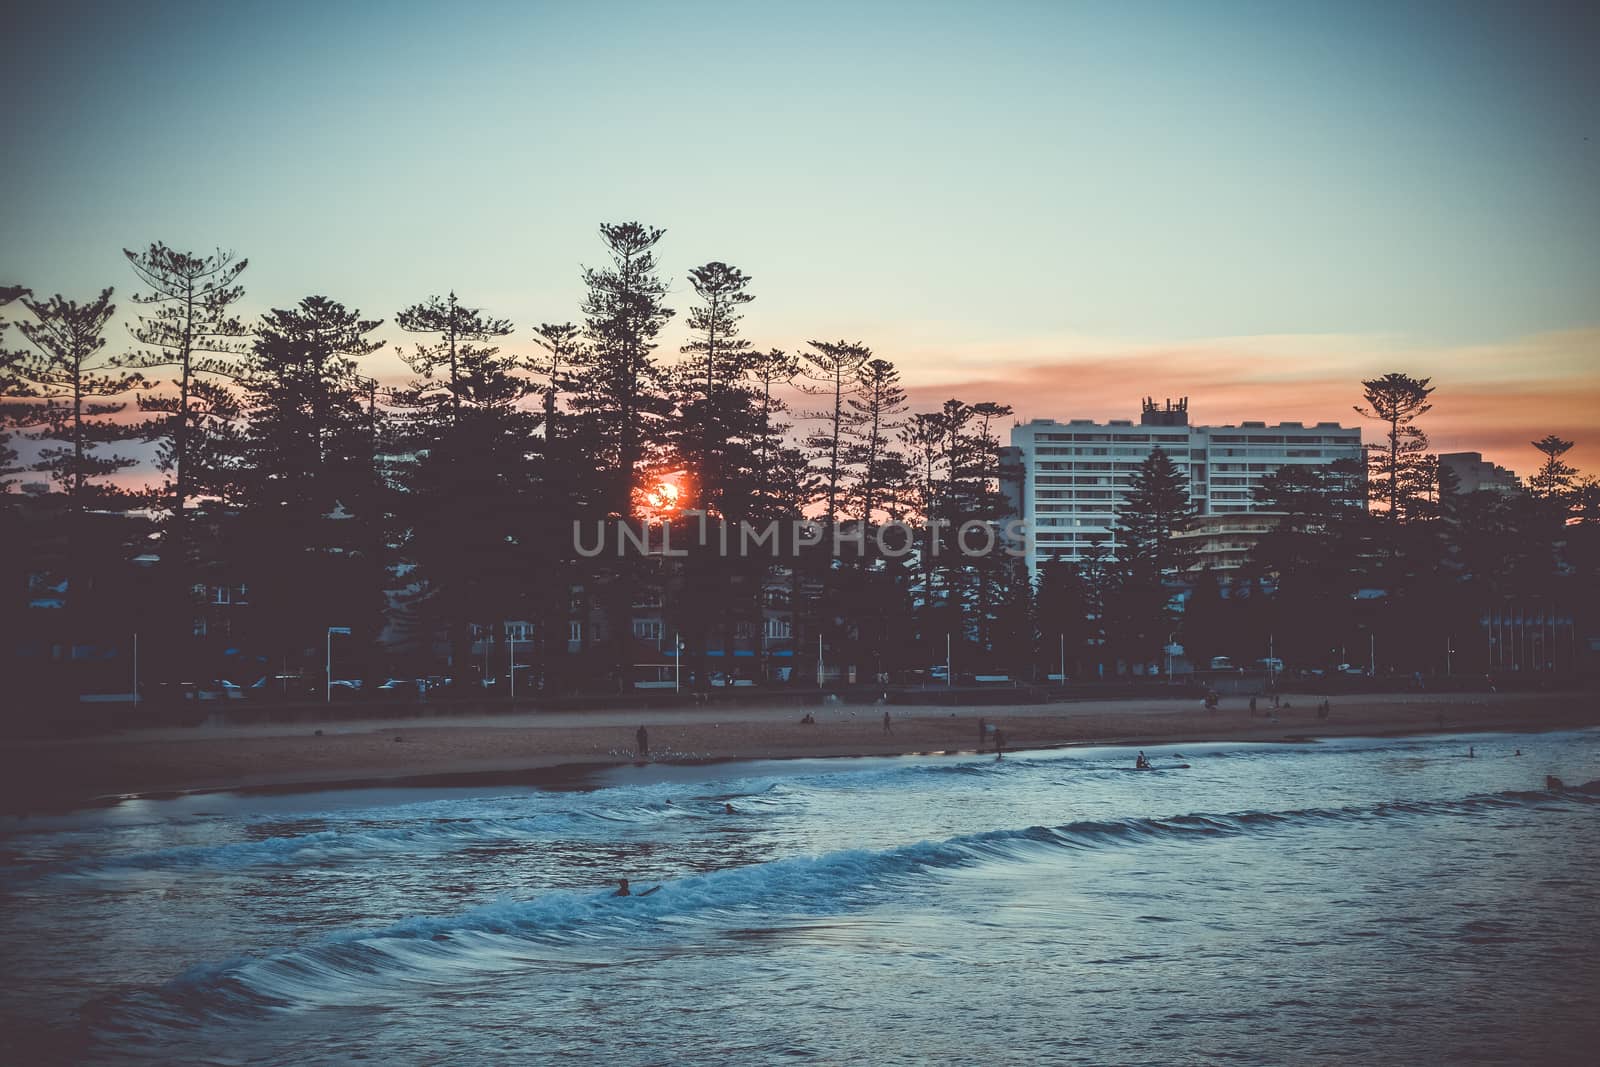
{"x":1060,"y":206}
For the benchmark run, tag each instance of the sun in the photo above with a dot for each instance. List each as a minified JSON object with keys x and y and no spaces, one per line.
{"x":663,"y":496}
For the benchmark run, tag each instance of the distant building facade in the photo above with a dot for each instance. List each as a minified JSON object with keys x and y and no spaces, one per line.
{"x":1224,"y":542}
{"x":1071,"y":477}
{"x":1472,"y":473}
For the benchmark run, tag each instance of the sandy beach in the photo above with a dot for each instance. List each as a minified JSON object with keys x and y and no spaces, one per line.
{"x":57,"y":772}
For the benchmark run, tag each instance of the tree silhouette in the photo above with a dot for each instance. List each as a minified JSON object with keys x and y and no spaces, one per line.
{"x":1399,"y":472}
{"x":1554,"y":479}
{"x":192,"y":329}
{"x":76,"y":387}
{"x":832,"y":370}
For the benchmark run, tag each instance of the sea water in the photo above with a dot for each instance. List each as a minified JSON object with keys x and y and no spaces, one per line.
{"x":1353,"y":901}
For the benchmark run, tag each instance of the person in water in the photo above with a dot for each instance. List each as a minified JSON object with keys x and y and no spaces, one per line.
{"x":729,"y":809}
{"x":1141,"y":763}
{"x":622,"y":888}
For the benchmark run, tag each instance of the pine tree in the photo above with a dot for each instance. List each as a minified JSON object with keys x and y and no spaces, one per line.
{"x":468,"y":474}
{"x":1148,"y":554}
{"x":831,"y":370}
{"x":76,"y":389}
{"x":16,"y":408}
{"x":876,"y":416}
{"x":192,"y":329}
{"x":1554,"y":480}
{"x":563,"y":348}
{"x":620,"y":406}
{"x":308,"y":540}
{"x":716,"y":431}
{"x":460,"y":367}
{"x":1155,"y":510}
{"x":619,"y":396}
{"x":770,"y":371}
{"x":1399,"y":477}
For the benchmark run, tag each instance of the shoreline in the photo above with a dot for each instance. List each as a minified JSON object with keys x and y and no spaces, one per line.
{"x":557,"y":750}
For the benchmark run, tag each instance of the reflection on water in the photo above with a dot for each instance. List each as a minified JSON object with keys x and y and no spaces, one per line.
{"x":1354,"y":901}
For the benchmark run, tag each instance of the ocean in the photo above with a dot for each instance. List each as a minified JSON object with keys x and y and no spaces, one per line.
{"x":1367,"y":901}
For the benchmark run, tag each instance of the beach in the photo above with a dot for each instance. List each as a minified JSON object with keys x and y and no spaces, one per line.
{"x":533,"y":745}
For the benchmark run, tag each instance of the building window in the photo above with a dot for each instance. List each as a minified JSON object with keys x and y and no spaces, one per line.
{"x":575,"y":632}
{"x":200,"y":626}
{"x":518,"y":631}
{"x":647,"y":629}
{"x":778,"y":629}
{"x":221,"y":594}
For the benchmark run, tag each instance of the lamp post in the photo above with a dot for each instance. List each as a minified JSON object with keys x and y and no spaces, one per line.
{"x":328,"y":668}
{"x":511,"y":644}
{"x":677,"y":660}
{"x":136,"y":671}
{"x":949,"y":675}
{"x":1063,"y":661}
{"x":1170,"y":642}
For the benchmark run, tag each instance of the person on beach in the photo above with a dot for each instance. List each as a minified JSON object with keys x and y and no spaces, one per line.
{"x":643,"y":738}
{"x":999,"y":744}
{"x":983,"y":731}
{"x":886,"y":727}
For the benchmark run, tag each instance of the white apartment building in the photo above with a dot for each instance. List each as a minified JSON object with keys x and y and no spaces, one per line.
{"x":1076,"y":474}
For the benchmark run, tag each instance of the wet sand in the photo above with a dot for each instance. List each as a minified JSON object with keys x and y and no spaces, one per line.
{"x":39,"y":774}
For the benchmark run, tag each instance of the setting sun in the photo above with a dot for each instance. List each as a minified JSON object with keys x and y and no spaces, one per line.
{"x":663,"y":496}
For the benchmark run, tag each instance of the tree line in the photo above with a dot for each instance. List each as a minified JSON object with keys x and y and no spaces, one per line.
{"x":442,"y":506}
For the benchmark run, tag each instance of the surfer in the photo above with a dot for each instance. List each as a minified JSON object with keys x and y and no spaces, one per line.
{"x":622,"y":888}
{"x":729,"y":809}
{"x":1141,"y":763}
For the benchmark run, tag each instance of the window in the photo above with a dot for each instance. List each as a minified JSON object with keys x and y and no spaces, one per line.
{"x":575,"y":632}
{"x":575,"y":600}
{"x":518,"y":631}
{"x":646,"y":629}
{"x":221,"y":594}
{"x":778,"y":629}
{"x":200,"y":627}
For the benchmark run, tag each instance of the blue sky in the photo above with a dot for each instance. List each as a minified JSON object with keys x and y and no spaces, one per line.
{"x":983,"y":192}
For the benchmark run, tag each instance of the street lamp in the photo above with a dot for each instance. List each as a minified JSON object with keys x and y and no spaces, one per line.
{"x":328,"y":668}
{"x":511,"y":643}
{"x":1171,"y":642}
